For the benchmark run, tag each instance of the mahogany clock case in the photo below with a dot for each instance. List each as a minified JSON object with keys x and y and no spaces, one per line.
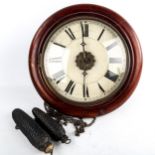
{"x":106,"y":16}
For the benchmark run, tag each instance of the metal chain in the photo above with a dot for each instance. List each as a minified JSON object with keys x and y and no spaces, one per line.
{"x":78,"y":123}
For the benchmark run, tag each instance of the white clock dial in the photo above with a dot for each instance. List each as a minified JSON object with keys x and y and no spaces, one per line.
{"x":85,"y":61}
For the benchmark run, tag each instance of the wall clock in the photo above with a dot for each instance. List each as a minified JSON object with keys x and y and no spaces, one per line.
{"x":85,"y":60}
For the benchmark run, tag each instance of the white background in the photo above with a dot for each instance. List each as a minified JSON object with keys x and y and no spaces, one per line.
{"x":129,"y":130}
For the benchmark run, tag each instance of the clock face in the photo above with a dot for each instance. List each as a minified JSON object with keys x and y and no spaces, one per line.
{"x":84,"y":61}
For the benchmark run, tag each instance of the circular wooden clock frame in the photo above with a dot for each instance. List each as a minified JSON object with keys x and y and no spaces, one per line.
{"x":104,"y":15}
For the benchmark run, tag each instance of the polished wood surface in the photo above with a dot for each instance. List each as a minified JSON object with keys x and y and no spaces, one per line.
{"x":105,"y":15}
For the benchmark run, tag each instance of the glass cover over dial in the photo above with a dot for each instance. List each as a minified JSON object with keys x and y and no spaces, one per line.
{"x":84,"y":61}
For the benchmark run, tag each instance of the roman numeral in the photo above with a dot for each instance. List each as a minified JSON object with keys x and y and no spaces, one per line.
{"x":84,"y":29}
{"x":59,"y":76}
{"x":56,"y":60}
{"x":115,"y":60}
{"x":70,"y":87}
{"x":101,"y":88}
{"x":85,"y":91}
{"x":59,"y":44}
{"x":99,"y":37}
{"x":70,"y":34}
{"x":111,"y":76}
{"x":112,"y":45}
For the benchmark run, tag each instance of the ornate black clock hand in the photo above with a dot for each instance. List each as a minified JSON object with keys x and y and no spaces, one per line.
{"x":83,"y":41}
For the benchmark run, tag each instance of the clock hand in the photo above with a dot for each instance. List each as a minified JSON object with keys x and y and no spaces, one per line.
{"x":83,"y":44}
{"x":84,"y":83}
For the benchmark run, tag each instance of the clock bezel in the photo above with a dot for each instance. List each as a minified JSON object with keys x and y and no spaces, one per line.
{"x":105,"y":15}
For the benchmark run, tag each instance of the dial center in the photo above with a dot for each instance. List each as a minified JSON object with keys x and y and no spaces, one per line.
{"x":93,"y":59}
{"x":85,"y":60}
